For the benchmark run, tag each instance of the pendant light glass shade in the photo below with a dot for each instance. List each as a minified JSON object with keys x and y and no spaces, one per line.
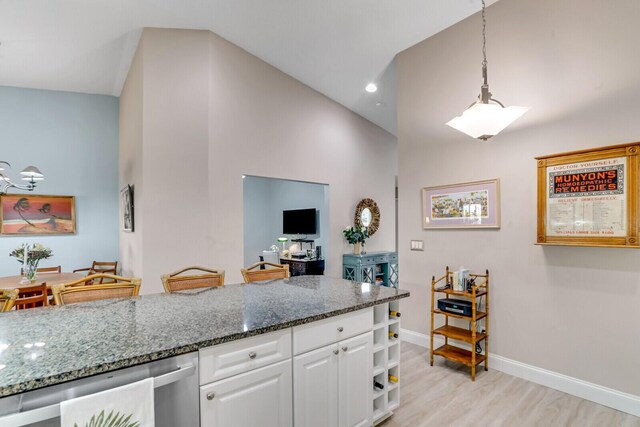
{"x":487,"y":116}
{"x":31,"y":174}
{"x":483,"y":121}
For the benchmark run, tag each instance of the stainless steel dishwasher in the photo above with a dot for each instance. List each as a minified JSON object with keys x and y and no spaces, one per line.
{"x":176,"y":394}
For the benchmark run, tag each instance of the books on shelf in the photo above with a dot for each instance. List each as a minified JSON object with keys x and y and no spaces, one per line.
{"x":460,"y":279}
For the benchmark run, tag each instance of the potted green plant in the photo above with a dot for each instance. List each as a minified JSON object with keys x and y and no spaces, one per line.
{"x":356,"y":236}
{"x":29,"y":256}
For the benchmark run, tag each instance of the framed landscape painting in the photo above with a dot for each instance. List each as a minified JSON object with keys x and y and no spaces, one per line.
{"x":466,"y":205}
{"x":22,"y":214}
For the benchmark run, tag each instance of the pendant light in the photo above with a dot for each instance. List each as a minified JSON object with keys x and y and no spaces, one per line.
{"x":487,"y":116}
{"x":30,"y":174}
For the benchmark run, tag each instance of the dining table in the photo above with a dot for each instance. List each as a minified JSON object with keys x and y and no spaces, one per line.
{"x":13,"y":282}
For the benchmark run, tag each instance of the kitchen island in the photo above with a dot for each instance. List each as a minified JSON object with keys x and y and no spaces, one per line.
{"x":53,"y":345}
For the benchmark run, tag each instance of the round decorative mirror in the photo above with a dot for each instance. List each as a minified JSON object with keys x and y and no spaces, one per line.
{"x":365,"y":217}
{"x":368,"y":215}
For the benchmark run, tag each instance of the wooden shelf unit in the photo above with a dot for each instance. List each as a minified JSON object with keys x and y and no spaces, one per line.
{"x":386,"y":360}
{"x":471,"y":337}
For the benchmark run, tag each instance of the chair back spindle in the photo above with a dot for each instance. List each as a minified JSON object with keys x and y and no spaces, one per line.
{"x":207,"y":278}
{"x":90,"y":289}
{"x":257,"y":272}
{"x":32,"y":297}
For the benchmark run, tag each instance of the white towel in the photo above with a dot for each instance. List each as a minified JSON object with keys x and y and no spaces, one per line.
{"x":133,"y":400}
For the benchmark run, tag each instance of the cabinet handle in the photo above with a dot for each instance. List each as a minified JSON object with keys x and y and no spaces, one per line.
{"x":252,"y":355}
{"x":340,"y":329}
{"x":336,"y":351}
{"x":345,"y":348}
{"x":210,"y":396}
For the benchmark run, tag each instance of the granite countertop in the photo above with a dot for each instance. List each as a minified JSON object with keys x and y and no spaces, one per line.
{"x":50,"y":345}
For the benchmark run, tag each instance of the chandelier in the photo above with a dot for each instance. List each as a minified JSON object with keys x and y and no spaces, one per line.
{"x":31,"y":175}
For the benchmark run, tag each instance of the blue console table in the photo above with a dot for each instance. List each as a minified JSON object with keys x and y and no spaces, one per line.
{"x":373,"y":267}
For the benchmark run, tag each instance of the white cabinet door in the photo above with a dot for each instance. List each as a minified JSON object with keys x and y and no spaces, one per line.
{"x":315,"y":388}
{"x":259,"y":398}
{"x":355,"y":388}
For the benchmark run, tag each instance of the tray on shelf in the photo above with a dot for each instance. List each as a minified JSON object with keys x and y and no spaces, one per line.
{"x":458,"y":354}
{"x":479,"y":314}
{"x":459,"y":334}
{"x":480,"y":291}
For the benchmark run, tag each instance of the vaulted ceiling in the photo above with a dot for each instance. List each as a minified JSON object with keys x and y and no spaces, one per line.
{"x":334,"y":46}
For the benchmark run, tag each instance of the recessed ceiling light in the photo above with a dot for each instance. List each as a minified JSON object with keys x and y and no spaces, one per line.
{"x":379,"y":104}
{"x":371,"y":87}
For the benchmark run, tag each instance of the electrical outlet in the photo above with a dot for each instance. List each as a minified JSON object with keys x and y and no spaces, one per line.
{"x":417,"y":245}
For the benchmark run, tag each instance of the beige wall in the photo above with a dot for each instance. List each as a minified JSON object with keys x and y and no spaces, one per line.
{"x":130,"y":164}
{"x":212,"y":113}
{"x":569,"y":310}
{"x":176,"y":146}
{"x":265,"y":123}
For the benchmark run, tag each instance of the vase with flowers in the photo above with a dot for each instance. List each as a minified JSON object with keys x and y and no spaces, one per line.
{"x":29,"y":256}
{"x":356,"y":236}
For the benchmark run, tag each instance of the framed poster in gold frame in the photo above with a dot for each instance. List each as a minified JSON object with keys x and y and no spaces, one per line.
{"x":589,"y":197}
{"x":30,"y":214}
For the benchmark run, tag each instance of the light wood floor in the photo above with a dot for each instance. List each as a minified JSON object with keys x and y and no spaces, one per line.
{"x":443,"y":395}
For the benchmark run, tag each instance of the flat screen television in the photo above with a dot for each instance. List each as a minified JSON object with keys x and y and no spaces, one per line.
{"x":299,"y":221}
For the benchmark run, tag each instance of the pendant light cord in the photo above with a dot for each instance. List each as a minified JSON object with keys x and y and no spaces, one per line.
{"x":484,"y":37}
{"x":485,"y":95}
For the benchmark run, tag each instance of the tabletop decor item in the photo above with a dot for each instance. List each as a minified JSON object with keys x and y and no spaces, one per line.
{"x":37,"y":215}
{"x":356,"y":236}
{"x":29,"y":256}
{"x":589,"y":197}
{"x":284,"y":240}
{"x":467,"y":205}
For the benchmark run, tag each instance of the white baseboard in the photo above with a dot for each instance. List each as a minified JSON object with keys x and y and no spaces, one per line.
{"x":414,"y":338}
{"x":615,"y":399}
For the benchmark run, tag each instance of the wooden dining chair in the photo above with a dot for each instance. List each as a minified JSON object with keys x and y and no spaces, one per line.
{"x":79,"y":291}
{"x":101,"y":267}
{"x":256,"y":273}
{"x":32,"y":297}
{"x":7,"y":299}
{"x":178,"y":282}
{"x":57,"y":269}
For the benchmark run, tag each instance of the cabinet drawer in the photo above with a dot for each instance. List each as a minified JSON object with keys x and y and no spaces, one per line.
{"x":323,"y":332}
{"x":224,"y":360}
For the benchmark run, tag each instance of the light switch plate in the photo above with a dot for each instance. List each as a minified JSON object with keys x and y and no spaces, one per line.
{"x":417,"y":245}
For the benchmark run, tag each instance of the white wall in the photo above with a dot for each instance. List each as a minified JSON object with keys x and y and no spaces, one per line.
{"x":566,"y":309}
{"x":264,"y":201}
{"x":73,"y":139}
{"x":259,"y":121}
